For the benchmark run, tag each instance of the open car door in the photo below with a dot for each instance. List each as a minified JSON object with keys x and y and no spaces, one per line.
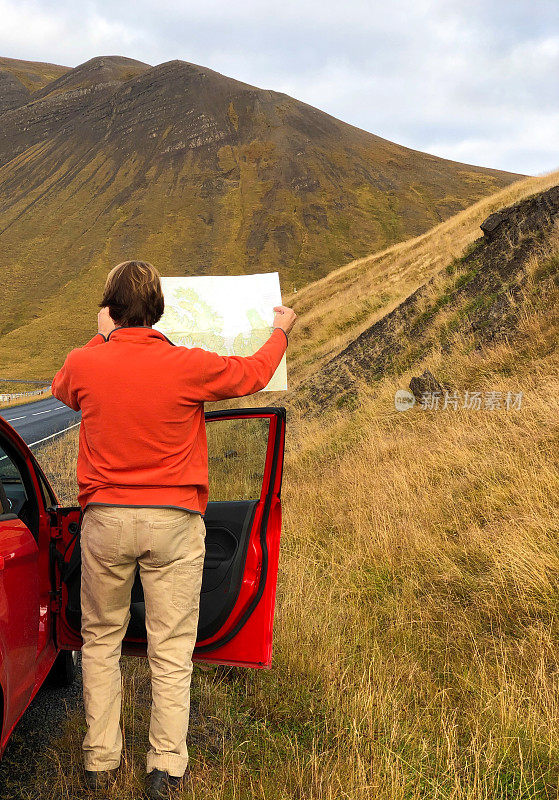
{"x":243,"y":526}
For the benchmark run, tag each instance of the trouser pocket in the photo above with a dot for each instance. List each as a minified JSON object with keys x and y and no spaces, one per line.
{"x":101,"y":534}
{"x":177,"y":535}
{"x":168,"y":536}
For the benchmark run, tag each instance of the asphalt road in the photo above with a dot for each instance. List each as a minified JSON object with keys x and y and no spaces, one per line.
{"x":42,"y":420}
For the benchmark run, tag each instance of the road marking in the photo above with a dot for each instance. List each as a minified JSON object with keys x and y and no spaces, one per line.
{"x":54,"y":434}
{"x":13,"y":419}
{"x":36,"y":413}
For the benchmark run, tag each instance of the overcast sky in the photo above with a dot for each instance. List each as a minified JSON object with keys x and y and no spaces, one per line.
{"x":472,"y":80}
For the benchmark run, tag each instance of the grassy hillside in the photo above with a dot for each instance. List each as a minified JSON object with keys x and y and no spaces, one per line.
{"x":416,"y":636}
{"x":478,"y":298}
{"x":33,"y":75}
{"x":19,"y":79}
{"x":200,"y":174}
{"x":337,"y":309}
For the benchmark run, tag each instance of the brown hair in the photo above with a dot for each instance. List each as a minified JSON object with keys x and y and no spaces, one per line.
{"x":133,"y":294}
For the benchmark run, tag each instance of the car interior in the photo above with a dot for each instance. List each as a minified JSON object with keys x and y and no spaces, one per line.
{"x":228,"y":526}
{"x":17,"y":494}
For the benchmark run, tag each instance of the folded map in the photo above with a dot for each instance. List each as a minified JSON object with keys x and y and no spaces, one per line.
{"x":228,"y":314}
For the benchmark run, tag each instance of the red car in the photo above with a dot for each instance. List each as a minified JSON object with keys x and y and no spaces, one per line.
{"x":40,"y":560}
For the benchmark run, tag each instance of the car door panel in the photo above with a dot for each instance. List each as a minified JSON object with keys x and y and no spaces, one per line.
{"x":227,"y":528}
{"x":26,"y":644}
{"x":19,"y":612}
{"x":242,"y":549}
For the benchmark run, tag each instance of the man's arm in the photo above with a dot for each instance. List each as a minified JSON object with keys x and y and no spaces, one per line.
{"x":62,"y":387}
{"x":216,"y":377}
{"x":223,"y":377}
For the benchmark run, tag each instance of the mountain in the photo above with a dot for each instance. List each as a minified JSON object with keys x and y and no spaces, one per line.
{"x":197,"y":173}
{"x":19,"y":79}
{"x":57,"y":104}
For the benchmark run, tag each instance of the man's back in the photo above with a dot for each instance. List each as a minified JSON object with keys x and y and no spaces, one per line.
{"x":143,"y":437}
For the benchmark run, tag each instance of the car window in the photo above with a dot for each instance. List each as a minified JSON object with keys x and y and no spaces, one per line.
{"x":4,"y":502}
{"x":236,"y":457}
{"x":11,"y":479}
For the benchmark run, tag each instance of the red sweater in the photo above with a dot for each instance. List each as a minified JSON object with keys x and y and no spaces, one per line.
{"x":143,"y":436}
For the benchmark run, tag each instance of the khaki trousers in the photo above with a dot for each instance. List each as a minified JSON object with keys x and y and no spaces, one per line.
{"x":168,"y":544}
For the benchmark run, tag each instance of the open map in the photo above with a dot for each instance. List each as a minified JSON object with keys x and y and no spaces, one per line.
{"x":229,"y":314}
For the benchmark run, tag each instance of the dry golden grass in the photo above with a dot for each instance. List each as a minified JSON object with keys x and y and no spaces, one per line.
{"x":58,"y":460}
{"x":23,"y":400}
{"x":336,"y":309}
{"x":416,"y":635}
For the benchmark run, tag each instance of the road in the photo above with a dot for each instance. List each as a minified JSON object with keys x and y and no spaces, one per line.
{"x":40,"y":421}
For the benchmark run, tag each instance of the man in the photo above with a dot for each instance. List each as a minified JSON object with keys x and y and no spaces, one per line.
{"x":143,"y":487}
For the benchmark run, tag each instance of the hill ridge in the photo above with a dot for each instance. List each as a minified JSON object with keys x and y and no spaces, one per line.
{"x":100,"y":70}
{"x":32,"y":74}
{"x":200,"y":174}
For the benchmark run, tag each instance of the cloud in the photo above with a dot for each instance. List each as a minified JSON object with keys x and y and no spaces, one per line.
{"x":465,"y":79}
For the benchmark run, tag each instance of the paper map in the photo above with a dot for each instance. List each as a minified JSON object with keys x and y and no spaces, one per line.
{"x":228,"y":314}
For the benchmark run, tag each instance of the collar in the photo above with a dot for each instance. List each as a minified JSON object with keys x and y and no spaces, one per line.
{"x":137,"y":333}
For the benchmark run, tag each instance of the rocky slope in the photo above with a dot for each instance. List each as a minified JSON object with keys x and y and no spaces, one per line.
{"x":478,"y":298}
{"x":54,"y":108}
{"x":12,"y":92}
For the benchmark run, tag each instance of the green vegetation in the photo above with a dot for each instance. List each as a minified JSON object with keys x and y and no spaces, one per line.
{"x":546,"y":269}
{"x":482,"y":301}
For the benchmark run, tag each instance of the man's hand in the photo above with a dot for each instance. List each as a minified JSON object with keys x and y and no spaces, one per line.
{"x":285,"y":318}
{"x":105,"y":323}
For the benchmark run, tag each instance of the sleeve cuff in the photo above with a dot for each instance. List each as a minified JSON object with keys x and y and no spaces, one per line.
{"x":284,"y":333}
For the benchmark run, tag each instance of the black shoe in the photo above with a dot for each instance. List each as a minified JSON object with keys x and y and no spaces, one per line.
{"x":160,"y":785}
{"x":98,"y":781}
